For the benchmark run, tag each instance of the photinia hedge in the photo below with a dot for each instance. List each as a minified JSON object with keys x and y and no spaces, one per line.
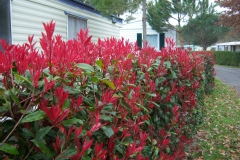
{"x":228,"y":58}
{"x":109,"y":100}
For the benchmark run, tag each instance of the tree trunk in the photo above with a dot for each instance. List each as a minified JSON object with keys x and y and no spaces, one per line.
{"x":181,"y":39}
{"x":204,"y":48}
{"x":144,"y":22}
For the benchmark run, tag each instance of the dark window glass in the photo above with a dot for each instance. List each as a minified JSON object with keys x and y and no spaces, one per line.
{"x":5,"y":21}
{"x":139,"y":40}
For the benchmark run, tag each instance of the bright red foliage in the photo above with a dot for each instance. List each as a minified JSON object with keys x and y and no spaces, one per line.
{"x":102,"y":101}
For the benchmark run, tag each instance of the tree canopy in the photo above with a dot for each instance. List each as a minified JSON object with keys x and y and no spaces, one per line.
{"x":231,"y":17}
{"x":114,"y":7}
{"x":203,"y":30}
{"x":161,"y":12}
{"x":118,"y":7}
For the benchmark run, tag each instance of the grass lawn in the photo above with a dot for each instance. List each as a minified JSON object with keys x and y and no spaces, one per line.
{"x":219,"y":135}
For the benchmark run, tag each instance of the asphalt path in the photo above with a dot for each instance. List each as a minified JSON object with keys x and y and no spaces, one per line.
{"x":229,"y":76}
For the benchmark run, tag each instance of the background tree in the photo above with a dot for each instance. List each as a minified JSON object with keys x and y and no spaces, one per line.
{"x":118,"y":7}
{"x":203,"y":30}
{"x":231,"y":17}
{"x":114,"y":7}
{"x":161,"y":12}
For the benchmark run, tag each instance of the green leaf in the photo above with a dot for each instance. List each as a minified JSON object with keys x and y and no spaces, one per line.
{"x":9,"y":148}
{"x":27,"y":133}
{"x":155,"y":104}
{"x":119,"y":149}
{"x":154,"y":142}
{"x":131,"y":85}
{"x":42,"y":132}
{"x":66,"y":104}
{"x":156,"y":151}
{"x":99,"y":63}
{"x":43,"y":147}
{"x":24,"y":79}
{"x":7,"y":125}
{"x":108,"y":106}
{"x":70,"y":122}
{"x":5,"y":106}
{"x":109,"y":83}
{"x":152,"y":94}
{"x":86,"y":158}
{"x":39,"y":156}
{"x":107,"y":130}
{"x":85,"y":66}
{"x":106,"y":118}
{"x":109,"y":112}
{"x":70,"y":151}
{"x":143,"y":107}
{"x":160,"y":80}
{"x":46,"y":72}
{"x":35,"y":116}
{"x":95,"y":79}
{"x":15,"y":98}
{"x":168,"y":64}
{"x":2,"y":91}
{"x":174,"y":75}
{"x":71,"y":90}
{"x":168,"y":150}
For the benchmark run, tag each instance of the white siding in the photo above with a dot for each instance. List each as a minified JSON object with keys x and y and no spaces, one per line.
{"x":129,"y":31}
{"x":28,"y":15}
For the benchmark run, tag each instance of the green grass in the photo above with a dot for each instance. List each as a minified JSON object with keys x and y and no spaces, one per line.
{"x":219,"y":135}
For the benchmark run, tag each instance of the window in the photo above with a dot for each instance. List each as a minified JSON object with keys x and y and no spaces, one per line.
{"x":5,"y":21}
{"x":75,"y":23}
{"x":153,"y":40}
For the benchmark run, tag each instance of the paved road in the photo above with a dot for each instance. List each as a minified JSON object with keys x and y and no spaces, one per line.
{"x":229,"y":76}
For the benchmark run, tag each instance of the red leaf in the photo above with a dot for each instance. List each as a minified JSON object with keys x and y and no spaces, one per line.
{"x":30,"y":39}
{"x":49,"y":28}
{"x":79,"y":101}
{"x":57,"y":144}
{"x":86,"y":145}
{"x":63,"y":130}
{"x":166,"y":141}
{"x":61,"y":95}
{"x":47,"y":85}
{"x":143,"y":136}
{"x":175,"y":109}
{"x":110,"y":145}
{"x":95,"y":127}
{"x":87,"y":41}
{"x":63,"y":115}
{"x":4,"y":44}
{"x":77,"y":131}
{"x":99,"y":152}
{"x":53,"y":113}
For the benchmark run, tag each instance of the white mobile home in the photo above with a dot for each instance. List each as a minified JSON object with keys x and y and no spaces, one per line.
{"x":20,"y":18}
{"x":228,"y":46}
{"x":133,"y":32}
